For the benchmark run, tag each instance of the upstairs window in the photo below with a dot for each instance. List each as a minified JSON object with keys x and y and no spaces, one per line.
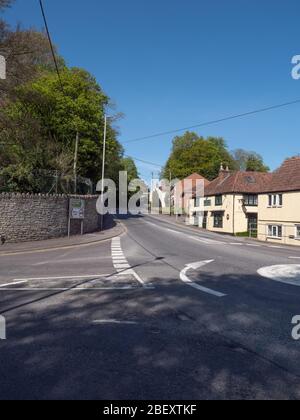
{"x":275,"y":200}
{"x":207,"y":203}
{"x":251,"y":200}
{"x":298,"y":231}
{"x":197,"y":202}
{"x":219,"y":200}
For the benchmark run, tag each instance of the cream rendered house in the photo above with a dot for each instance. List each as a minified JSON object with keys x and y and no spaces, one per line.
{"x":230,"y":204}
{"x":279,"y":206}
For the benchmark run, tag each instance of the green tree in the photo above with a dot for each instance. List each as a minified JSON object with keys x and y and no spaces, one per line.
{"x":129,"y":165}
{"x":256,"y":164}
{"x":192,"y":153}
{"x":249,"y":161}
{"x":41,"y":124}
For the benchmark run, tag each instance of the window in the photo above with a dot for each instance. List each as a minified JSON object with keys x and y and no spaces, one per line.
{"x":275,"y":231}
{"x":207,"y":203}
{"x":219,"y":200}
{"x":197,"y":202}
{"x":275,"y":200}
{"x":298,"y":232}
{"x":218,"y":220}
{"x":251,"y":200}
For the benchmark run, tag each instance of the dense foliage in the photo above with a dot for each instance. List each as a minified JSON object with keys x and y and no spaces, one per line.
{"x":191,"y":153}
{"x":39,"y":120}
{"x":194,"y":154}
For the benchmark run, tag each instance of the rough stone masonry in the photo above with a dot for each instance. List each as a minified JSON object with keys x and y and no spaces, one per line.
{"x":33,"y":217}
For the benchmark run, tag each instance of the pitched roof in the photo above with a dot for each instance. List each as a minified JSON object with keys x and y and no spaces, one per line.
{"x":194,"y":178}
{"x":287,"y":177}
{"x":238,"y":182}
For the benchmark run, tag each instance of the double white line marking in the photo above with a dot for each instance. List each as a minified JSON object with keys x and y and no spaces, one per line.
{"x":120,"y":262}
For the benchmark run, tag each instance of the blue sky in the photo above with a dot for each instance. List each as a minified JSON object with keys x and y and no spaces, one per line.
{"x":168,"y":64}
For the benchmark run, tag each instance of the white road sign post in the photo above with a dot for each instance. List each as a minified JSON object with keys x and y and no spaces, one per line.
{"x":76,"y":212}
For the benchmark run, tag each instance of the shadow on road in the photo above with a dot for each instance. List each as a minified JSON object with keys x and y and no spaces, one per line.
{"x":181,"y":345}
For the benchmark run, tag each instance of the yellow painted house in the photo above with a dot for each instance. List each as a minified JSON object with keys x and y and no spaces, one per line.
{"x":279,"y":205}
{"x":266,"y":206}
{"x":231,"y":201}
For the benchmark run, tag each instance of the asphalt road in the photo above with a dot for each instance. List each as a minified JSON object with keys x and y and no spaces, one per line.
{"x":128,"y":319}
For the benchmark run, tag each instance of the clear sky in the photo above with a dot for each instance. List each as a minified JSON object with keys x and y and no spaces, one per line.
{"x":168,"y":64}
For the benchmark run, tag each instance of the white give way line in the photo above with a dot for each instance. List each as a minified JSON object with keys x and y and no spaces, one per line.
{"x":120,"y":262}
{"x":186,"y":280}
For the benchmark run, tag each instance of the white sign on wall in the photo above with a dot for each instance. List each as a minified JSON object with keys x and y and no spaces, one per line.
{"x":77,"y":208}
{"x":2,"y":67}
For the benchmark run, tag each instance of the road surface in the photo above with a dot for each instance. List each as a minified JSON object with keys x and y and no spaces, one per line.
{"x":163,"y":312}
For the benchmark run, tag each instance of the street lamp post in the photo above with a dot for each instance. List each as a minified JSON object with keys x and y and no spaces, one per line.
{"x":75,"y":162}
{"x":103,"y":167}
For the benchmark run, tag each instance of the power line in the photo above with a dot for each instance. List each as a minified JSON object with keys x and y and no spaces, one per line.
{"x":204,"y":124}
{"x":145,"y":161}
{"x":51,"y":44}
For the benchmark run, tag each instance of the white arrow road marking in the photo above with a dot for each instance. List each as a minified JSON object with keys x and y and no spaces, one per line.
{"x":196,"y":266}
{"x":288,"y":273}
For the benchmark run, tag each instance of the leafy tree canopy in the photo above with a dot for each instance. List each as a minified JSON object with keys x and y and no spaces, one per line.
{"x":192,"y":153}
{"x":249,"y":161}
{"x":129,"y":165}
{"x":41,"y":125}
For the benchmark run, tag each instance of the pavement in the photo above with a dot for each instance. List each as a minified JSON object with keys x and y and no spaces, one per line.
{"x":160,"y":312}
{"x":111,"y":229}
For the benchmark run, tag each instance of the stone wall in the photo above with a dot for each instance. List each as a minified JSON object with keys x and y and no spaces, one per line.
{"x":26,"y":217}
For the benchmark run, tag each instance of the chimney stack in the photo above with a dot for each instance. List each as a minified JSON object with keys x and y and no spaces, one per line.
{"x":224,"y":171}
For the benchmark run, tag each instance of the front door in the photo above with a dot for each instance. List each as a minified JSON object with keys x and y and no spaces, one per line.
{"x":205,"y":220}
{"x":252,"y":225}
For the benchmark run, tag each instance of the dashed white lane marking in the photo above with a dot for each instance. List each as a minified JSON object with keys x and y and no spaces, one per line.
{"x":121,"y":266}
{"x":276,"y":247}
{"x":114,"y":321}
{"x":294,"y":258}
{"x":120,"y":262}
{"x":96,"y":276}
{"x":203,"y":240}
{"x":206,"y":241}
{"x":8,"y":286}
{"x":14,"y":283}
{"x":65,"y":289}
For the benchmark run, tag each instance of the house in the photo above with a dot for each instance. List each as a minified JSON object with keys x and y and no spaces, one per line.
{"x":262,"y":205}
{"x":159,"y":198}
{"x":230,"y":202}
{"x":279,"y":205}
{"x":185,"y":190}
